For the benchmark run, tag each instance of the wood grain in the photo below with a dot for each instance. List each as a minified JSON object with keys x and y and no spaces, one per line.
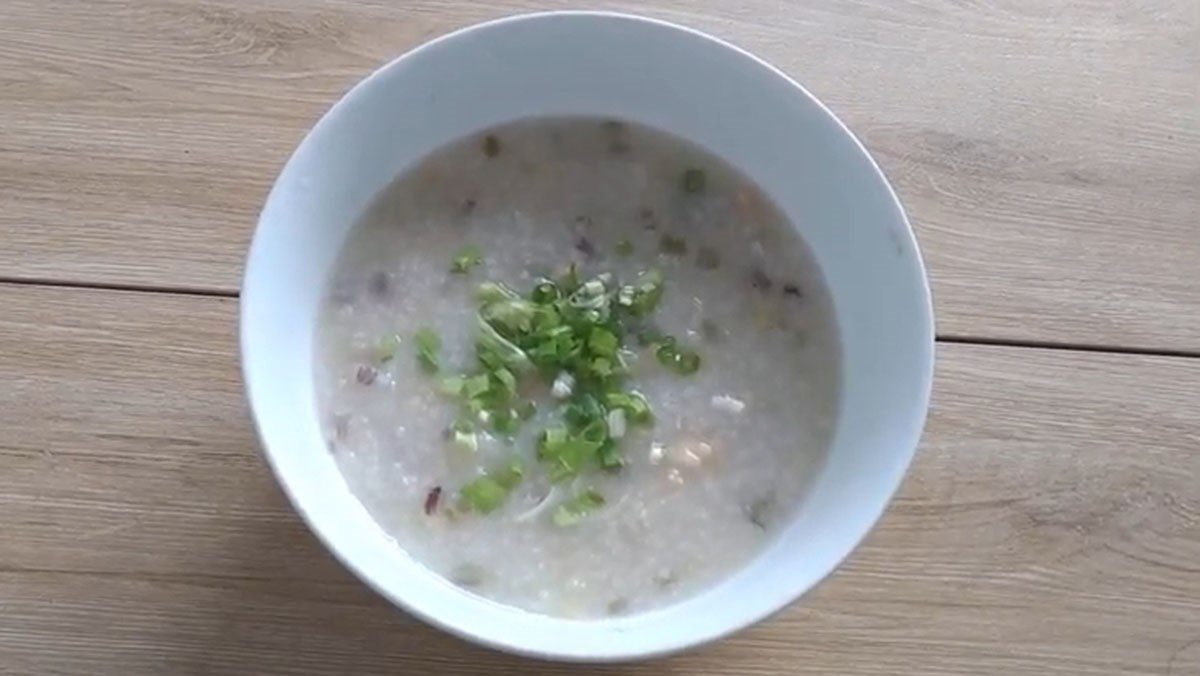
{"x":1051,"y":523}
{"x":1048,"y":153}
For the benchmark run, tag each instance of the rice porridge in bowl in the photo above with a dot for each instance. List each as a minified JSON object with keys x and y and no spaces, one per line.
{"x":577,"y":366}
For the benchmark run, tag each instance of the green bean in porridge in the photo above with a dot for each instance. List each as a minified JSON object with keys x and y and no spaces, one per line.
{"x":577,"y":366}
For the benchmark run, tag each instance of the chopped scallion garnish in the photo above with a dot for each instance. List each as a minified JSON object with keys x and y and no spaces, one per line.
{"x":428,"y":345}
{"x":489,"y":491}
{"x":573,"y":333}
{"x":572,"y":511}
{"x":467,"y":257}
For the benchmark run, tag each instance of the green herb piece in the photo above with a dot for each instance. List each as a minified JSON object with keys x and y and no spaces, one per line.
{"x":387,"y":348}
{"x":475,"y":386}
{"x":495,"y":350}
{"x":572,"y":511}
{"x":544,"y":292}
{"x":609,"y":456}
{"x":428,"y":345}
{"x":569,"y":281}
{"x":462,"y":433}
{"x":634,"y":403}
{"x":467,"y":257}
{"x":510,"y":317}
{"x":672,"y":245}
{"x":489,"y":491}
{"x":707,"y":258}
{"x":626,"y":295}
{"x":567,"y":453}
{"x":603,"y":342}
{"x":491,"y":145}
{"x":506,"y":379}
{"x":452,"y":385}
{"x":624,"y":248}
{"x":491,"y":292}
{"x":647,"y":293}
{"x":506,"y":421}
{"x":684,"y":362}
{"x":693,"y":180}
{"x":601,"y":368}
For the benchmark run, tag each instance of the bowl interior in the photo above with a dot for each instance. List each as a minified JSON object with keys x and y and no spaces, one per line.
{"x":662,"y":76}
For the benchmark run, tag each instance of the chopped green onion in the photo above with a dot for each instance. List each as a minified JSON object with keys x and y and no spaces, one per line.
{"x":572,"y":511}
{"x":428,"y":344}
{"x":624,"y":248}
{"x":684,"y":362}
{"x":570,"y":280}
{"x":566,"y":453}
{"x":489,"y":491}
{"x":491,"y":292}
{"x":609,"y":456}
{"x":462,"y":433}
{"x":467,"y":257}
{"x":506,"y":379}
{"x":616,"y":423}
{"x":693,"y":180}
{"x":467,"y":440}
{"x":491,"y":345}
{"x":603,"y":342}
{"x":633,"y":403}
{"x":625,"y":295}
{"x":648,"y":293}
{"x":546,"y":291}
{"x":563,"y":385}
{"x":475,"y":386}
{"x":452,"y":385}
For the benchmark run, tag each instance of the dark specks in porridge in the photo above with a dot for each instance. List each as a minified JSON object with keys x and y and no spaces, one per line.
{"x":693,"y":180}
{"x":618,"y":606}
{"x":432,"y":498}
{"x":584,"y":246}
{"x":707,"y":258}
{"x":647,"y":218}
{"x":760,"y":280}
{"x":565,"y":395}
{"x":366,"y":375}
{"x":758,"y":510}
{"x":672,"y":245}
{"x":491,"y":145}
{"x":379,"y":285}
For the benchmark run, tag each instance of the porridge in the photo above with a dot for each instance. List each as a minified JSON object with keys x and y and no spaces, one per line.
{"x":577,"y":366}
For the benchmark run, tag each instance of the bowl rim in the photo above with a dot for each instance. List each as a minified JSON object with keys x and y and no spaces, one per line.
{"x":464,"y":630}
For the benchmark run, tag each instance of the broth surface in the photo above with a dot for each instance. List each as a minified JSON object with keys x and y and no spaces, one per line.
{"x":733,"y":446}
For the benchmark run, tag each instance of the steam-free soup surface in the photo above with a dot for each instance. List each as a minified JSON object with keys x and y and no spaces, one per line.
{"x":742,"y":401}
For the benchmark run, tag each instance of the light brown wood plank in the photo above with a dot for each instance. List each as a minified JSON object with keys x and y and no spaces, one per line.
{"x":1048,"y":153}
{"x":1050,"y":525}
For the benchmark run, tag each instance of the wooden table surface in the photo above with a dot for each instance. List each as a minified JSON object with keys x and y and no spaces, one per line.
{"x":1047,"y":151}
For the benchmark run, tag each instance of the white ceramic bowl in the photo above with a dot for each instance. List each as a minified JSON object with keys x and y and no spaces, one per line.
{"x":663,"y":76}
